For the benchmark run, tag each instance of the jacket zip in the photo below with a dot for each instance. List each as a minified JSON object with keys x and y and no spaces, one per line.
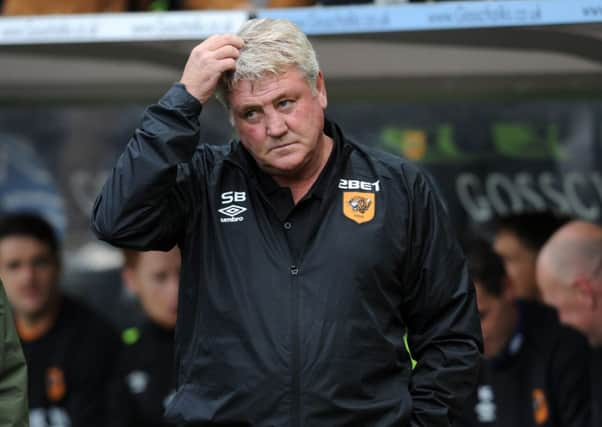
{"x":294,"y":272}
{"x":296,"y":375}
{"x":295,"y":336}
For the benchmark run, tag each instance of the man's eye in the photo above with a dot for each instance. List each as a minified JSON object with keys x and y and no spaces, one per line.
{"x":250,"y":114}
{"x":160,"y":278}
{"x":285,"y":103}
{"x":13,"y":265}
{"x":41,"y":262}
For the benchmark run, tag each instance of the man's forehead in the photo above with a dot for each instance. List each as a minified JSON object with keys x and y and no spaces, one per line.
{"x":21,"y":239}
{"x":25,"y":244}
{"x":268,"y":84}
{"x":257,"y":86}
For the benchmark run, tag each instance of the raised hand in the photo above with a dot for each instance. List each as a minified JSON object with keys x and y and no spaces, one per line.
{"x":206,"y":63}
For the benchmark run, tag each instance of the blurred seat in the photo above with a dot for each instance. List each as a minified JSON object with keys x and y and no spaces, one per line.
{"x":215,"y":4}
{"x":242,"y":4}
{"x":290,"y":3}
{"x":45,"y":7}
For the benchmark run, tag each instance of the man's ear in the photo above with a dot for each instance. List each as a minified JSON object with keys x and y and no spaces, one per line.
{"x":127,"y":277}
{"x":585,"y":292}
{"x":508,"y":289}
{"x":321,"y":90}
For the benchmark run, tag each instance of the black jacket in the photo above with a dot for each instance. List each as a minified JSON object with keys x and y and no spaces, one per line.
{"x":266,"y":339}
{"x":69,"y":367}
{"x":596,"y":378}
{"x":538,"y":380}
{"x":144,"y":380}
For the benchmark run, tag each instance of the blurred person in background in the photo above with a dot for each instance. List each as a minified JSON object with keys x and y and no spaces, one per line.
{"x":145,"y":382}
{"x":306,"y":256}
{"x":569,"y":270}
{"x":70,"y":351}
{"x":517,"y":240}
{"x":13,"y":370}
{"x":533,"y":371}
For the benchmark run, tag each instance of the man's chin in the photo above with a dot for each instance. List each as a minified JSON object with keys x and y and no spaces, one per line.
{"x":32,"y":308}
{"x":284,"y":167}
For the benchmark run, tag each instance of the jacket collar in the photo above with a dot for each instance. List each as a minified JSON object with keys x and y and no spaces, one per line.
{"x":240,"y":157}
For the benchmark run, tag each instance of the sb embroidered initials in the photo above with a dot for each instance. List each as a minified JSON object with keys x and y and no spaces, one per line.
{"x":233,"y":196}
{"x":232,"y":212}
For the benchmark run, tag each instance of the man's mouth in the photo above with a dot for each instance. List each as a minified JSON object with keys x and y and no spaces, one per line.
{"x":282,"y":145}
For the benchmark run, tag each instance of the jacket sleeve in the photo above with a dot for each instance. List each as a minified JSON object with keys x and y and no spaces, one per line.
{"x":439,"y":308}
{"x":13,"y":371}
{"x":143,"y":203}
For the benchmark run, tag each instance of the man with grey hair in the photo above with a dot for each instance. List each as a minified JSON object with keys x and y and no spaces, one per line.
{"x":306,"y":257}
{"x":569,"y":273}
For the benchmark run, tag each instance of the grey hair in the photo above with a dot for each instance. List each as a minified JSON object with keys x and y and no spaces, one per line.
{"x":271,"y":46}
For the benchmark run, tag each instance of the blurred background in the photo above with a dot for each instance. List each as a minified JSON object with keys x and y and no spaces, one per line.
{"x":500,"y":100}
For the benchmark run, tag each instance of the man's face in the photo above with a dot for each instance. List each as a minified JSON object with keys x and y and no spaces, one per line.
{"x":498,"y":319}
{"x":519,"y":262}
{"x":30,"y":273}
{"x":573,"y":309}
{"x":155,"y":280}
{"x":280,"y":121}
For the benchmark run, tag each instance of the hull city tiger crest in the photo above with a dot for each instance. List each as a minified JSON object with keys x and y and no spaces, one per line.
{"x":55,"y":384}
{"x":359,"y":207}
{"x":541,"y":412}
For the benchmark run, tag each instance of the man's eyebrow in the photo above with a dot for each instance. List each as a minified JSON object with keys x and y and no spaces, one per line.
{"x":285,"y":95}
{"x":246,"y":107}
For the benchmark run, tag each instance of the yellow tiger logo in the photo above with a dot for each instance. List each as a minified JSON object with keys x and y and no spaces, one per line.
{"x":360,"y":204}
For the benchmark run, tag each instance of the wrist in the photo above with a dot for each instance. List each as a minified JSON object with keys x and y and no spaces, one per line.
{"x":179,"y":98}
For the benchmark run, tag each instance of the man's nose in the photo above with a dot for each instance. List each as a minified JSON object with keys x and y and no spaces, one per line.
{"x":275,"y":125}
{"x":26,"y":274}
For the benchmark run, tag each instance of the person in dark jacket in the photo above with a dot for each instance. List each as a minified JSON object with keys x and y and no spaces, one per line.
{"x":70,"y":351}
{"x":13,"y":370}
{"x":306,"y":257}
{"x":144,"y":382}
{"x":569,"y":271}
{"x":531,"y":374}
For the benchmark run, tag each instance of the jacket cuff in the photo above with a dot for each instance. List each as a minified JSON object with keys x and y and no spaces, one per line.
{"x":178,"y":98}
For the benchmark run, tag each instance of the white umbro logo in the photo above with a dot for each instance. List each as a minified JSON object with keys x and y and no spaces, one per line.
{"x":232,"y":212}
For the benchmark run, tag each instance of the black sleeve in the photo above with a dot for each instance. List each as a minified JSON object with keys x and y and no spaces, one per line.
{"x":570,"y":380}
{"x":144,"y":202}
{"x":439,"y":307}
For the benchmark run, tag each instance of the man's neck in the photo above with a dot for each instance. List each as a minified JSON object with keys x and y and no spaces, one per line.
{"x":498,"y":347}
{"x":32,"y":326}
